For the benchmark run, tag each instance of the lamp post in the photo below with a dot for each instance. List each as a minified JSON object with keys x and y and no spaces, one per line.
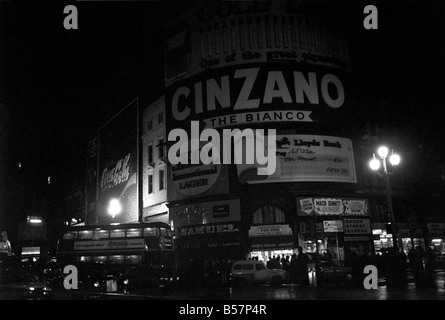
{"x":114,"y":207}
{"x":375,"y":163}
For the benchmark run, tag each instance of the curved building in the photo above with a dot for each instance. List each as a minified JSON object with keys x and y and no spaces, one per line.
{"x":280,"y":67}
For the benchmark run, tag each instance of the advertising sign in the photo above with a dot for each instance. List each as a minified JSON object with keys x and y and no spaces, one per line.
{"x":109,"y":244}
{"x":118,"y":164}
{"x":205,"y":213}
{"x":333,"y":206}
{"x":307,"y":158}
{"x":228,"y":33}
{"x":270,"y":230}
{"x":194,"y":179}
{"x":254,"y":94}
{"x":357,"y":226}
{"x":91,"y":180}
{"x":333,"y":226}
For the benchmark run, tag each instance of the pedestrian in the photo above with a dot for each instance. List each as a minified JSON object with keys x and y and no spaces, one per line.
{"x":302,"y":272}
{"x":293,"y":268}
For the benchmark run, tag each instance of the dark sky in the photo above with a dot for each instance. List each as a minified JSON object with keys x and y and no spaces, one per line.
{"x":58,"y":86}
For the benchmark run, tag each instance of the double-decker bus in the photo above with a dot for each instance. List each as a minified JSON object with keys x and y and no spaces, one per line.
{"x":145,"y":247}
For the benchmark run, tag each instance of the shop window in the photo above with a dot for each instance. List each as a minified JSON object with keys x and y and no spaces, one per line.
{"x":269,"y":215}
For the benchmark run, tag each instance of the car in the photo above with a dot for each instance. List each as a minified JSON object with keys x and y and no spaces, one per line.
{"x":254,"y":272}
{"x":331,"y":272}
{"x":18,"y":283}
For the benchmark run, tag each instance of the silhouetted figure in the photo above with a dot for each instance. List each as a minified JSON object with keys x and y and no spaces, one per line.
{"x":302,"y":272}
{"x":416,"y":263}
{"x":293,"y":268}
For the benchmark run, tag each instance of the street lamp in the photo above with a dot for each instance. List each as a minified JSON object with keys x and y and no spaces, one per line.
{"x":375,"y":163}
{"x":114,"y":207}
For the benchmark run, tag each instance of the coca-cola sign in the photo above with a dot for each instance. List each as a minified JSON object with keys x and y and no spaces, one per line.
{"x":117,"y":153}
{"x":120,"y":173}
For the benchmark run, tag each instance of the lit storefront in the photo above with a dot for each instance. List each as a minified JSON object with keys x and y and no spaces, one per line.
{"x":409,"y":235}
{"x":342,"y":226}
{"x":271,"y":241}
{"x":207,"y":231}
{"x":436,"y":237}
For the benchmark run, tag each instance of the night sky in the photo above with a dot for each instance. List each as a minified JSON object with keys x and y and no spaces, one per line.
{"x":58,"y":86}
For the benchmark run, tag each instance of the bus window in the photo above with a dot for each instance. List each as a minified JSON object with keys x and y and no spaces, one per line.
{"x":85,"y":234}
{"x":134,"y":232}
{"x":163,"y":232}
{"x":118,"y":259}
{"x":150,"y":232}
{"x":133,"y":259}
{"x":70,"y":235}
{"x":84,"y":259}
{"x":100,"y":234}
{"x":118,"y":233}
{"x":100,"y":259}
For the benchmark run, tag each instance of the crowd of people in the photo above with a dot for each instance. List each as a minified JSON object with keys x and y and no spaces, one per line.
{"x":391,"y":264}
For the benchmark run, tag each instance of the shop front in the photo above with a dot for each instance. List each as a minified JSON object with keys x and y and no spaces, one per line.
{"x":409,"y":235}
{"x":207,"y":233}
{"x":436,"y":237}
{"x":268,"y":242}
{"x":334,"y":227}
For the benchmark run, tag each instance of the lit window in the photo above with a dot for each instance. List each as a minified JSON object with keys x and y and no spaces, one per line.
{"x":100,"y":259}
{"x":118,"y":259}
{"x":150,"y":232}
{"x":134,"y":233}
{"x":100,"y":234}
{"x":133,"y":259}
{"x":84,"y":259}
{"x":69,"y":235}
{"x":118,"y":233}
{"x":85,"y":234}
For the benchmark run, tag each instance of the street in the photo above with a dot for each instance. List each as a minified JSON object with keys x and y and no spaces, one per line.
{"x":434,"y":290}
